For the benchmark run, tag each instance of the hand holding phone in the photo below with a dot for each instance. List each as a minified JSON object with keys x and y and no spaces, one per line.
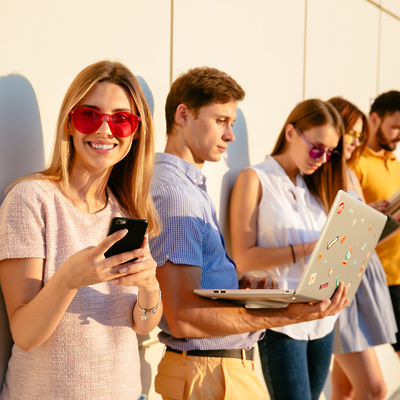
{"x":132,"y":240}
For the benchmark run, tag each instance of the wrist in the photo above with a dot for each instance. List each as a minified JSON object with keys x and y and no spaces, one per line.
{"x":147,"y":311}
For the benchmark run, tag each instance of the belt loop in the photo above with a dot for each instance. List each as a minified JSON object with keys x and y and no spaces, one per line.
{"x":184,"y":354}
{"x":244,"y":357}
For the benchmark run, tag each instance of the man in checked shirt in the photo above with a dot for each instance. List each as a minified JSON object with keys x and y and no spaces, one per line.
{"x":209,"y":344}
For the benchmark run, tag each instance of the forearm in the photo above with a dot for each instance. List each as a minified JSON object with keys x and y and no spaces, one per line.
{"x":33,"y":323}
{"x":222,"y":319}
{"x":262,"y":258}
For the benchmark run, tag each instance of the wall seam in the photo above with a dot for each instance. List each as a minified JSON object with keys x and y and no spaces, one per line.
{"x":378,"y":53}
{"x":171,"y":44}
{"x":305,"y":48}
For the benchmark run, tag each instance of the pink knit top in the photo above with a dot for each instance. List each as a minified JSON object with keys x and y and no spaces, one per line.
{"x":93,"y":353}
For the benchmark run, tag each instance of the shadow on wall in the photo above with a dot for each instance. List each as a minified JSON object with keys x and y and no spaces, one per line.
{"x":236,"y":158}
{"x":21,"y":152}
{"x":147,"y":93}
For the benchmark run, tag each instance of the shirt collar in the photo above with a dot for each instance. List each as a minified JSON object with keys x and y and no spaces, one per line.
{"x":193,"y":173}
{"x":386,"y":155}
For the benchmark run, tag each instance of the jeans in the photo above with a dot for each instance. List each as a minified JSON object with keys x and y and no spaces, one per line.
{"x":295,"y":369}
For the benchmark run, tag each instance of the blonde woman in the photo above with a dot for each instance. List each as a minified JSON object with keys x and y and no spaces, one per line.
{"x":73,"y":313}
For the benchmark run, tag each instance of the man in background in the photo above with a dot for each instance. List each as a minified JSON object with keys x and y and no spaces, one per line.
{"x":379,"y":174}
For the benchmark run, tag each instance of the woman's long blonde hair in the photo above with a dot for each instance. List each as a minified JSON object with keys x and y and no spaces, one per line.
{"x":325,"y":182}
{"x":130,"y":178}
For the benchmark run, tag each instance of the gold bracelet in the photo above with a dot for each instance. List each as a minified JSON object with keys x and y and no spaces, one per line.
{"x":153,"y":310}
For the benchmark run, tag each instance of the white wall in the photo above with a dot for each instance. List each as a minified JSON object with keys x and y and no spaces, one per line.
{"x":280,"y":51}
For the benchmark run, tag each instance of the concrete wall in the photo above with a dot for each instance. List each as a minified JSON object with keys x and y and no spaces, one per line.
{"x":280,"y":51}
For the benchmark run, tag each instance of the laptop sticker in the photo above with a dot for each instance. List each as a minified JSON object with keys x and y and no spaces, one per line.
{"x":312,"y":278}
{"x":351,"y":211}
{"x":340,"y":207}
{"x":348,"y":285}
{"x":324,"y":285}
{"x":343,"y":239}
{"x":364,"y":247}
{"x":344,"y":262}
{"x":319,"y":256}
{"x":355,"y":263}
{"x":354,"y":221}
{"x":330,"y":271}
{"x":330,"y":244}
{"x":337,"y":281}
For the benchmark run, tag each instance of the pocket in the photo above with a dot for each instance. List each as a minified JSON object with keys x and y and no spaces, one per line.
{"x":169,"y":387}
{"x":241,"y":382}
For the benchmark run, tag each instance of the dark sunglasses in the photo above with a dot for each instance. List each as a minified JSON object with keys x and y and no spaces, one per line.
{"x":317,"y":152}
{"x":88,"y":120}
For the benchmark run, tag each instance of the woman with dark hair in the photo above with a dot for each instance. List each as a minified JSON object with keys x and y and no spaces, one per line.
{"x":74,"y":313}
{"x":369,"y":321}
{"x":278,"y":209}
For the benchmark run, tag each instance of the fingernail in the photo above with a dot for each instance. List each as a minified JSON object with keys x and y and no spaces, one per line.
{"x":123,"y":270}
{"x":115,"y":281}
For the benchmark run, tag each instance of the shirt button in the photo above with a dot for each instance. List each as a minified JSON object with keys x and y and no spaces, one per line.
{"x":167,"y":256}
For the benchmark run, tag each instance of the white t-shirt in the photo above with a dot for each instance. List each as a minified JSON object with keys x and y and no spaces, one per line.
{"x":289,"y":214}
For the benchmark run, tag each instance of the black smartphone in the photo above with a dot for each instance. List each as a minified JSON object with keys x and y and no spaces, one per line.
{"x":132,"y":240}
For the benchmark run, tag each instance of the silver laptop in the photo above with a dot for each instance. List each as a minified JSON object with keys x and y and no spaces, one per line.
{"x":342,"y":253}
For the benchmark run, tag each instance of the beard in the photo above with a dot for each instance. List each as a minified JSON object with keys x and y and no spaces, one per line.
{"x":383,"y":142}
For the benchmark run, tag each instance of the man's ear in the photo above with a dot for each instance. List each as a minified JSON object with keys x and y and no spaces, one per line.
{"x":181,"y":115}
{"x":374,"y":120}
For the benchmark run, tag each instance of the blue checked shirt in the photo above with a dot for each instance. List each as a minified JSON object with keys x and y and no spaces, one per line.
{"x":191,"y":236}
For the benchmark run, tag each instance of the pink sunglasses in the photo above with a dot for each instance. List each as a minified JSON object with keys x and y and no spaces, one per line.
{"x":88,"y":120}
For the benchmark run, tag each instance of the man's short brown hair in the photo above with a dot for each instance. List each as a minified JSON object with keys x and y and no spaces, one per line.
{"x":200,"y":87}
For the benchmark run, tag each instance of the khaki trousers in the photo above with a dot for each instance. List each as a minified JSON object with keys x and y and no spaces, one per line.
{"x":182,"y":377}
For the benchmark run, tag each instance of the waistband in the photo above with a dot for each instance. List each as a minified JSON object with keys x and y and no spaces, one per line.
{"x":234,"y":353}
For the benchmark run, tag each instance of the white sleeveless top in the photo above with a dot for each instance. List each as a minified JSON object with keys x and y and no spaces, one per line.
{"x":93,"y":353}
{"x":289,"y":214}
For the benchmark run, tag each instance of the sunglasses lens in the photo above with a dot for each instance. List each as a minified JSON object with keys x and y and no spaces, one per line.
{"x":86,"y":120}
{"x":123,"y":124}
{"x":351,"y":136}
{"x":318,"y":152}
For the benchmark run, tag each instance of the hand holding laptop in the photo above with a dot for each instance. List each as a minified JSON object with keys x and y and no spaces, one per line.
{"x":311,"y":311}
